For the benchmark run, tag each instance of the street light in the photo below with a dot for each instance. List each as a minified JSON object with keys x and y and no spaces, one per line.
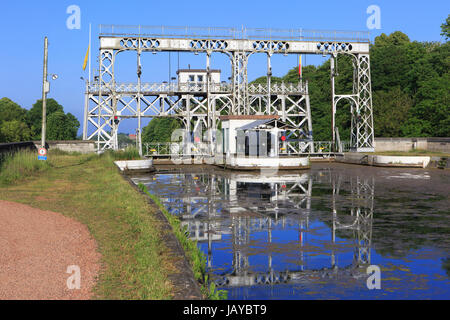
{"x":45,"y":91}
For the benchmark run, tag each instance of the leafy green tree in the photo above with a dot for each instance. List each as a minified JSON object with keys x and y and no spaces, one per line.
{"x":14,"y":131}
{"x":160,"y":129}
{"x":432,"y":108}
{"x":72,"y":126}
{"x":62,"y":126}
{"x":396,"y":38}
{"x":263,"y":80}
{"x":390,"y":111}
{"x":34,"y":115}
{"x":9,"y":110}
{"x":445,"y":27}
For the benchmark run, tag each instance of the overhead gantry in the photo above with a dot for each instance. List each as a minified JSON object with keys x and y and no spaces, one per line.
{"x":199,"y":106}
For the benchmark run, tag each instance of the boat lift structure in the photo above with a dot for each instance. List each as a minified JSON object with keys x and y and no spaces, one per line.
{"x":108,"y":102}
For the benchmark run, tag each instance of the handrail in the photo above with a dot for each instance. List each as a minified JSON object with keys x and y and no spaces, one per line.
{"x":234,"y":33}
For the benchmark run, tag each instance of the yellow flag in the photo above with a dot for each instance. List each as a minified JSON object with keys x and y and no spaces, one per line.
{"x":300,"y":65}
{"x":86,"y":58}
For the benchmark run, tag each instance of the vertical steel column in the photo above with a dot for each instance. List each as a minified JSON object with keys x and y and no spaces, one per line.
{"x":86,"y":110}
{"x":187,"y":121}
{"x":105,"y":113}
{"x":309,"y":119}
{"x":269,"y":78}
{"x":139,"y":72}
{"x":240,"y":85}
{"x":364,"y":123}
{"x":333,"y":102}
{"x":210,"y":121}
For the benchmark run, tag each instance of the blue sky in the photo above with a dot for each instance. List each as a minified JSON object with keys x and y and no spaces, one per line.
{"x":25,"y":23}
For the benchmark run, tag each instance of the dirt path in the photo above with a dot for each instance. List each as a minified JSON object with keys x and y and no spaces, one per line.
{"x":36,"y":249}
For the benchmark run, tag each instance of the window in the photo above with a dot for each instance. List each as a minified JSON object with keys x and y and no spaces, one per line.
{"x":191,"y":78}
{"x":200,"y":78}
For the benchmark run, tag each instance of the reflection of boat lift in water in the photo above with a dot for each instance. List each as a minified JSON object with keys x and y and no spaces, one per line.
{"x":360,"y":222}
{"x":276,"y":199}
{"x":361,"y":211}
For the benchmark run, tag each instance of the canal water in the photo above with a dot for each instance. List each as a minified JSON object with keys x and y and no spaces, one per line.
{"x":313,"y":234}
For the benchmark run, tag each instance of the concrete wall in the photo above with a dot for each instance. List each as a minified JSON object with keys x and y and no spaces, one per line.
{"x":439,"y":144}
{"x":408,"y":144}
{"x":82,"y":146}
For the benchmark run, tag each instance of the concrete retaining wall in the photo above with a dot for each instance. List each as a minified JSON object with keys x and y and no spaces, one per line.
{"x":82,"y":146}
{"x":408,"y":144}
{"x":384,"y":161}
{"x":439,"y":144}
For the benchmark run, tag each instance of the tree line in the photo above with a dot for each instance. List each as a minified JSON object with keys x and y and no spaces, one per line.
{"x":19,"y":124}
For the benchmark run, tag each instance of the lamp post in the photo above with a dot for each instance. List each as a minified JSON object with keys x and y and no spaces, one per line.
{"x":45,"y":90}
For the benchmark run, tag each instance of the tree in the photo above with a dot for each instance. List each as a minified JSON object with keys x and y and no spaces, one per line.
{"x":445,"y":27}
{"x":432,"y":109}
{"x":34,"y":115}
{"x":12,"y":122}
{"x":62,"y":126}
{"x":390,"y":111}
{"x":160,"y":129}
{"x":396,"y":38}
{"x":9,"y":110}
{"x":72,"y":125}
{"x":14,"y":131}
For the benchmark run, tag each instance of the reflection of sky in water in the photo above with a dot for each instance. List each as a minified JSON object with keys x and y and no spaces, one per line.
{"x":298,"y":251}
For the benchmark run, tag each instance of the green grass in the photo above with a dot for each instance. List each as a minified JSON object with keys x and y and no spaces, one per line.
{"x":21,"y":164}
{"x":136,"y":264}
{"x":130,"y":153}
{"x":194,"y":254}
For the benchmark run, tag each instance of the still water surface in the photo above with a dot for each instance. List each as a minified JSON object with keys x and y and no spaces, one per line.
{"x":312,"y":234}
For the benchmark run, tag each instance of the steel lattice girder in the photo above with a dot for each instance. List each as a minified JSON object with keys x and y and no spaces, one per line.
{"x":362,"y":130}
{"x":106,"y":94}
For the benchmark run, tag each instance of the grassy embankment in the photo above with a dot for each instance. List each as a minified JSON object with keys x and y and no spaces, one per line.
{"x":194,"y":254}
{"x":135,"y":262}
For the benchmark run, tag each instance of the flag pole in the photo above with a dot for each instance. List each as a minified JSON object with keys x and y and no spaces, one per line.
{"x":89,"y":53}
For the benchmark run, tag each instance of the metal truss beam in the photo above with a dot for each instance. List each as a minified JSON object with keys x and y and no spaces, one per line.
{"x":204,"y":102}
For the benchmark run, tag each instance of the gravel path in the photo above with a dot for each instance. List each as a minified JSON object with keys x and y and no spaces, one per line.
{"x":36,"y":249}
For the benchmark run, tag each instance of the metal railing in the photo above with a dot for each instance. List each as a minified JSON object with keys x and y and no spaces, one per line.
{"x":276,"y":88}
{"x":163,"y":87}
{"x":234,"y":33}
{"x":177,"y":148}
{"x":192,"y":87}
